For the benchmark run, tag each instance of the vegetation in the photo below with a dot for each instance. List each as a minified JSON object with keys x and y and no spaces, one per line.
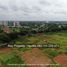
{"x":34,"y":33}
{"x":11,"y":58}
{"x":53,"y":53}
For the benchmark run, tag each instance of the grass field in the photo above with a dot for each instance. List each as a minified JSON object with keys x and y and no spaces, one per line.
{"x":14,"y":55}
{"x":56,"y":38}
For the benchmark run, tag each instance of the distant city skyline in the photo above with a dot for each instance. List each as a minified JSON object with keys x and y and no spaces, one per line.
{"x":7,"y":23}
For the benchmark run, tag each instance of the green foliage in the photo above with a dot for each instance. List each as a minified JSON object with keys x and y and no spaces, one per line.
{"x":4,"y":38}
{"x":14,"y":59}
{"x":55,"y":65}
{"x":53,"y":53}
{"x":24,"y":49}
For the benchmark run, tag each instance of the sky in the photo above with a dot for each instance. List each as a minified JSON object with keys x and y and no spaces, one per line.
{"x":33,"y":10}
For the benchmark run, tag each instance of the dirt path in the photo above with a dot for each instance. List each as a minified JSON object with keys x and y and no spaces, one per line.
{"x":36,"y":56}
{"x":5,"y":50}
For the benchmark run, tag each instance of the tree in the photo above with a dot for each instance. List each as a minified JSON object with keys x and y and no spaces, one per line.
{"x":4,"y":38}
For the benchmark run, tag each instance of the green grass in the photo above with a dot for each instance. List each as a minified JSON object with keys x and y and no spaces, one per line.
{"x":5,"y":56}
{"x":39,"y":39}
{"x":59,"y":38}
{"x":24,"y":49}
{"x":11,"y":58}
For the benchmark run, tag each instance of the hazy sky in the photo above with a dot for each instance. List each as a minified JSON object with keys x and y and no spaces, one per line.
{"x":33,"y":10}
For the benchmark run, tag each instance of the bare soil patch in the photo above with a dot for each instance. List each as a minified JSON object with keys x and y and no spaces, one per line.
{"x":36,"y":56}
{"x":5,"y":50}
{"x":61,"y":59}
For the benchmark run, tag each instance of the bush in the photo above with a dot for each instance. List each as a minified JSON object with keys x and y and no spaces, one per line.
{"x":53,"y":53}
{"x":14,"y":60}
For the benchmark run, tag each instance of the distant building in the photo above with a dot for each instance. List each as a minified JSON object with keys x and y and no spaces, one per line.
{"x":0,"y":22}
{"x":16,"y":24}
{"x":4,"y":23}
{"x":6,"y":29}
{"x":10,"y":23}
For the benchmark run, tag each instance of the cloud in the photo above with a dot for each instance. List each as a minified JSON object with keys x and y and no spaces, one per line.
{"x":33,"y":9}
{"x":3,"y":7}
{"x":45,"y":2}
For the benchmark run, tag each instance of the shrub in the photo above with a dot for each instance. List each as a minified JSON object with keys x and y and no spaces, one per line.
{"x":53,"y":53}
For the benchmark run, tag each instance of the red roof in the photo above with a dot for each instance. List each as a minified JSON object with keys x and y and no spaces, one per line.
{"x":6,"y":29}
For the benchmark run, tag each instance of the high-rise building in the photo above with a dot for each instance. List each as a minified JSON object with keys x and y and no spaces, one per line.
{"x":16,"y":24}
{"x":5,"y":23}
{"x":10,"y":23}
{"x":0,"y":22}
